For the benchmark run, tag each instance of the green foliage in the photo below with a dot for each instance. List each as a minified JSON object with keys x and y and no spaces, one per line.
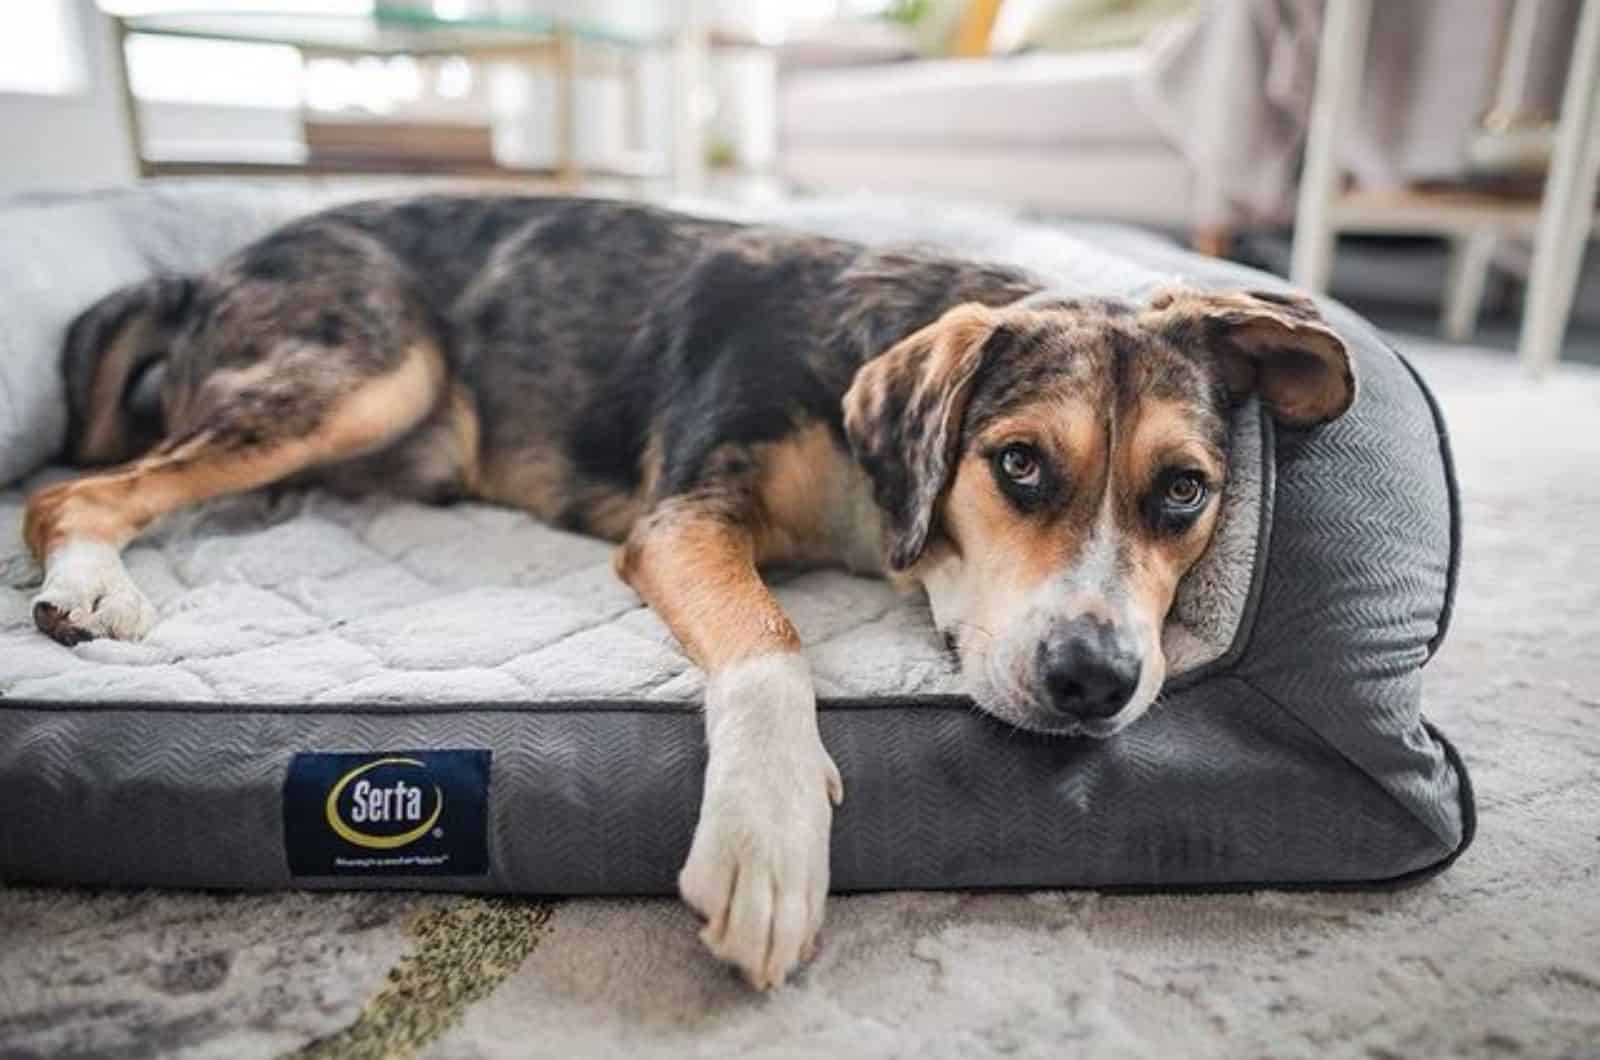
{"x":907,"y":12}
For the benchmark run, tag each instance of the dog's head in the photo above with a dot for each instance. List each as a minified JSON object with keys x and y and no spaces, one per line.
{"x":1051,"y":469}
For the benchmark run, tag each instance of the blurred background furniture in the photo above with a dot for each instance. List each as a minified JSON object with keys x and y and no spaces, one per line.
{"x":433,"y":55}
{"x":1054,"y":132}
{"x":394,"y":88}
{"x":1561,"y":219}
{"x":1040,"y":116}
{"x":1189,"y":116}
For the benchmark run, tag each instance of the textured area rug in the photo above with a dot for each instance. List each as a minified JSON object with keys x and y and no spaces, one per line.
{"x":1499,"y":956}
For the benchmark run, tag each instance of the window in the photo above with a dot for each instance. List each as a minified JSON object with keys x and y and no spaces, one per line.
{"x":39,"y":51}
{"x":309,"y":7}
{"x":175,"y":70}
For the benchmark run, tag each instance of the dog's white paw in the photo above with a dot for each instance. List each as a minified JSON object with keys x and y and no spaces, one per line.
{"x":758,"y":868}
{"x":87,"y":594}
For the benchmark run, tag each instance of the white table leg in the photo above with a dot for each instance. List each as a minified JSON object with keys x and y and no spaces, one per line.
{"x":567,"y":171}
{"x":1566,"y":214}
{"x":690,"y":84}
{"x":1339,"y":67}
{"x":1470,"y":256}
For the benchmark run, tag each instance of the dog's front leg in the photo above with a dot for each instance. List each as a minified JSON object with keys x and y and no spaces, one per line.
{"x":758,"y":867}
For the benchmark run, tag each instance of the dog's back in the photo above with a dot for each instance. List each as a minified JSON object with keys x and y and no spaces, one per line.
{"x":587,"y":351}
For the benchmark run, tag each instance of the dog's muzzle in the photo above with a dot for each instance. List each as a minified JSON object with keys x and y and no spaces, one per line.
{"x":1088,"y":671}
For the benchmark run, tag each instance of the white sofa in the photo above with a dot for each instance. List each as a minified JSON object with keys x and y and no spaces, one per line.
{"x":1064,"y":133}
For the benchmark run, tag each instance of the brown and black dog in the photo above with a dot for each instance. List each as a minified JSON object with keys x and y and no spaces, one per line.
{"x":715,"y":397}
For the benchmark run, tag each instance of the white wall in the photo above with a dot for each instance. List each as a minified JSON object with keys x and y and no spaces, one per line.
{"x":68,"y":141}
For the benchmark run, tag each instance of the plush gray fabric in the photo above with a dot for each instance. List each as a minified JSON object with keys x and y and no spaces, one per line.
{"x":1291,"y":749}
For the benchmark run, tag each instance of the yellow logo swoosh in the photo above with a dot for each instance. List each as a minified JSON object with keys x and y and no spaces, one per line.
{"x":380,"y":842}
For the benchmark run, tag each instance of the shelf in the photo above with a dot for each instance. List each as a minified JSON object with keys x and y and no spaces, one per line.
{"x":184,"y":167}
{"x":1434,"y":211}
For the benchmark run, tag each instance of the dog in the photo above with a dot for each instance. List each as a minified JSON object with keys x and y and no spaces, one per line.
{"x":715,"y":397}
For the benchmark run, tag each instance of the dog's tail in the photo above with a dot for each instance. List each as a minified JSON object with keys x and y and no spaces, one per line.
{"x":113,"y":360}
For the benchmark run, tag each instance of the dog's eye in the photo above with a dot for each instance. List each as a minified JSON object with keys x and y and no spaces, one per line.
{"x":1020,"y":465}
{"x":1176,"y":501}
{"x":1186,"y":492}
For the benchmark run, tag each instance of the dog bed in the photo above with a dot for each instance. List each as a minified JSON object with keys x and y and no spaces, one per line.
{"x":318,"y":657}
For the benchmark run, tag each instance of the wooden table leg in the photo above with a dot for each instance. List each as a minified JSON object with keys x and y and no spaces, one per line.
{"x":690,"y":61}
{"x":567,"y":170}
{"x":1470,"y":257}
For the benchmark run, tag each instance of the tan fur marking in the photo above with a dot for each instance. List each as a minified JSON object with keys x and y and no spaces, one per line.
{"x":1019,"y":552}
{"x":537,"y":481}
{"x":542,"y":482}
{"x":1161,"y":435}
{"x":104,"y":437}
{"x":381,"y":409}
{"x":113,"y":506}
{"x":798,"y":489}
{"x":468,"y":435}
{"x":1012,"y":553}
{"x":698,"y":573}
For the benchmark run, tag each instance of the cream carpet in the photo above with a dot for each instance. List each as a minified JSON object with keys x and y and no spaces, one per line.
{"x":1498,"y":957}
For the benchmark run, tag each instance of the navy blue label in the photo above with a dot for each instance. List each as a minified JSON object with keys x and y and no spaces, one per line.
{"x":388,"y":813}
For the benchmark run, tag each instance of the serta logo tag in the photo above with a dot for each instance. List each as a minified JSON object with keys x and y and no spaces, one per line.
{"x":392,"y":812}
{"x":380,"y":804}
{"x":381,"y":795}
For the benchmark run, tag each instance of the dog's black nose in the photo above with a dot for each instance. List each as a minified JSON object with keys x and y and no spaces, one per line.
{"x":1087,"y":670}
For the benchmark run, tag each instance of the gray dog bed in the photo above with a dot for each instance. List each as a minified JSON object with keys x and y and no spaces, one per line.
{"x":491,"y":674}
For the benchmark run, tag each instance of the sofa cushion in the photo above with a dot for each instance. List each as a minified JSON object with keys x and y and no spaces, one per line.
{"x":1042,"y":102}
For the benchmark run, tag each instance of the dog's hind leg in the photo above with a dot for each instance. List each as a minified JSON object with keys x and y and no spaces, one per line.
{"x":249,"y":429}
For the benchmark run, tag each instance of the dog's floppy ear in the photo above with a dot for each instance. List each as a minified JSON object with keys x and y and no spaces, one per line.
{"x":1267,"y":343}
{"x":903,"y":414}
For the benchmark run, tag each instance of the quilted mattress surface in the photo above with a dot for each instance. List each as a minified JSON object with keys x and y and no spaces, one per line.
{"x":547,"y":722}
